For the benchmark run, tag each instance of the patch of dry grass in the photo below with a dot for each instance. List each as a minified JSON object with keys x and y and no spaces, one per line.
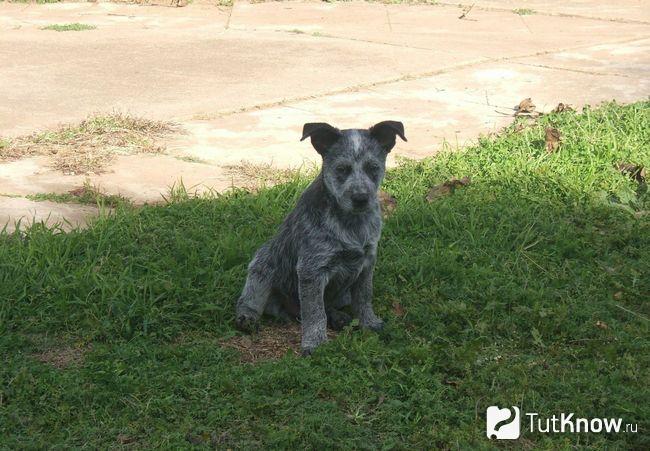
{"x":62,"y":358}
{"x":272,"y":342}
{"x":92,"y":144}
{"x":254,"y":176}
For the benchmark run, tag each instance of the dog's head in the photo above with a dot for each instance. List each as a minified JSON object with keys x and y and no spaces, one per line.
{"x":354,"y":161}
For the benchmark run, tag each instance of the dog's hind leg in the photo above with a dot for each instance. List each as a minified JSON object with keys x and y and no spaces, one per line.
{"x":255,"y":296}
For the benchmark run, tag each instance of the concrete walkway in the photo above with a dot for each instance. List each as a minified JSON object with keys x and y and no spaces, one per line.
{"x":241,"y":81}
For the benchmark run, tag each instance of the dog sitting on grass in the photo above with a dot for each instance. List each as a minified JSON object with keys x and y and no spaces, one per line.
{"x":323,"y":256}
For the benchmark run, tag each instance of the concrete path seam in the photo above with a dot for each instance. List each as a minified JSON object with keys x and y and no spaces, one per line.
{"x":579,"y":71}
{"x":407,"y":77}
{"x":543,"y":13}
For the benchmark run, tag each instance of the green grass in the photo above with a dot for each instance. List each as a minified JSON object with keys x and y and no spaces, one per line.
{"x":69,"y":27}
{"x":528,"y":287}
{"x":523,"y":11}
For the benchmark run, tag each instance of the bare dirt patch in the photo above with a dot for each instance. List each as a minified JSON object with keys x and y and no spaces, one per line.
{"x":271,"y":342}
{"x":89,"y":146}
{"x":62,"y":358}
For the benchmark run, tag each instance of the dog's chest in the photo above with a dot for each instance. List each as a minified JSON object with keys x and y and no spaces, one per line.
{"x":349,"y":261}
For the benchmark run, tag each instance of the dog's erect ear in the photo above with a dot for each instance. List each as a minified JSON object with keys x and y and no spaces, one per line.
{"x":385,"y":133}
{"x":322,"y":135}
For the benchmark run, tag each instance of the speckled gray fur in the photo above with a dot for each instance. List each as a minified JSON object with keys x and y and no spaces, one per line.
{"x":323,"y":256}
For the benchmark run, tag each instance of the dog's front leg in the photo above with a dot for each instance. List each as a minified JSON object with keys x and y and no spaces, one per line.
{"x":312,"y":312}
{"x":362,"y":301}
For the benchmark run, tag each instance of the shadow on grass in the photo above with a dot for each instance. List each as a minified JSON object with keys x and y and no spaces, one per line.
{"x":528,"y":287}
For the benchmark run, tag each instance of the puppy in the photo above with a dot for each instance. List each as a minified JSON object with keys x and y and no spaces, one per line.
{"x":323,"y":256}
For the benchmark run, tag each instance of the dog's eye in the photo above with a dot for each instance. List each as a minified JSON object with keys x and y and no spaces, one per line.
{"x":343,"y":169}
{"x":372,"y":169}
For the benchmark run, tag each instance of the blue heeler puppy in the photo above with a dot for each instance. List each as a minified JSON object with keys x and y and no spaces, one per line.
{"x":323,"y":256}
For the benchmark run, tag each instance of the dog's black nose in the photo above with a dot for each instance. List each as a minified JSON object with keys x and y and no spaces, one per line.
{"x":360,"y":200}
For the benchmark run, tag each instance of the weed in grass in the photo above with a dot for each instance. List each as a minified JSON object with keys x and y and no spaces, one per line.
{"x":86,"y":194}
{"x":495,"y":294}
{"x":69,"y":27}
{"x":90,"y":145}
{"x":191,"y":159}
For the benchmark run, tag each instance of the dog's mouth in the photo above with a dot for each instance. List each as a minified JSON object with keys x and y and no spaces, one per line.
{"x":360,"y":206}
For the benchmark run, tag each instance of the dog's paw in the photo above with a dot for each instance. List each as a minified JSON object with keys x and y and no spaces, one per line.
{"x":310,"y":344}
{"x":247,"y":322}
{"x":375,"y":325}
{"x":337,"y":319}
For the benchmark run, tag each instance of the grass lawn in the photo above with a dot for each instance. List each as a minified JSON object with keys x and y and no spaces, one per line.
{"x":527,"y":287}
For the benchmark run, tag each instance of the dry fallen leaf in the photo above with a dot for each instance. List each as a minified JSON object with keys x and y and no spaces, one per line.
{"x":519,"y":126}
{"x":601,"y":325}
{"x":437,"y":192}
{"x":388,"y":203}
{"x":446,"y":188}
{"x":460,"y":182}
{"x":634,"y":171}
{"x":398,"y":310}
{"x":553,"y":139}
{"x":562,"y":107}
{"x":618,"y":295}
{"x":124,"y":439}
{"x":525,"y":107}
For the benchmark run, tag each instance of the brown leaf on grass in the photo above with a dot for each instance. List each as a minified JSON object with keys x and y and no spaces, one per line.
{"x":446,"y":188}
{"x":634,"y":171}
{"x":518,"y":127}
{"x":124,"y":439}
{"x":618,"y":295}
{"x":525,"y":107}
{"x":553,"y":139}
{"x":438,"y":191}
{"x":197,"y":439}
{"x":451,"y":382}
{"x":601,"y":325}
{"x":561,"y":107}
{"x":398,"y":310}
{"x":388,"y":204}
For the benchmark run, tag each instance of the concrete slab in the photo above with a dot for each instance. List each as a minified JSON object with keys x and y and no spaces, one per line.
{"x":141,"y":178}
{"x":18,"y":210}
{"x":620,"y":10}
{"x":172,"y":68}
{"x":488,"y":35}
{"x":629,"y":59}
